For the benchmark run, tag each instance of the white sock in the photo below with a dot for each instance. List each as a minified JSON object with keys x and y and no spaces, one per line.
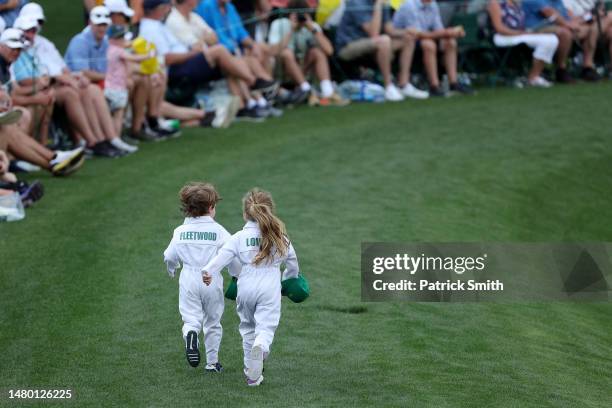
{"x":327,"y":89}
{"x":305,"y":86}
{"x":261,"y":102}
{"x":251,"y":104}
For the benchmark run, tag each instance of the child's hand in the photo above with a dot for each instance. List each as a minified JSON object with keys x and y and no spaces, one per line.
{"x":206,"y":278}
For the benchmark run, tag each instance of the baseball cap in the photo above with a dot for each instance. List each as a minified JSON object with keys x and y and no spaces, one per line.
{"x":34,"y":10}
{"x":13,"y":38}
{"x":151,"y":4}
{"x":119,"y":6}
{"x":117,"y":31}
{"x":99,"y":15}
{"x":25,"y":23}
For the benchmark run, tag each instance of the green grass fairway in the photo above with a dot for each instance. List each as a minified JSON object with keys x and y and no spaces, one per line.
{"x":86,"y":304}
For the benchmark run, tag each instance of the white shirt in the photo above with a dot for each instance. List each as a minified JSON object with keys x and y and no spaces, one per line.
{"x":195,"y":243}
{"x":48,"y":56}
{"x":156,"y":32}
{"x":188,"y":31}
{"x":579,"y":7}
{"x":243,"y":247}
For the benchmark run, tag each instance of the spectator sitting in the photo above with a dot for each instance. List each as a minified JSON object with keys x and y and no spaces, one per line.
{"x":9,"y":10}
{"x":191,"y":29}
{"x":590,"y":10}
{"x":423,"y":16}
{"x":12,"y":138}
{"x":117,"y":74}
{"x":84,"y":102}
{"x":366,"y":29}
{"x":306,"y":42}
{"x":28,"y":192}
{"x":197,"y":65}
{"x":508,"y":20}
{"x":551,"y":16}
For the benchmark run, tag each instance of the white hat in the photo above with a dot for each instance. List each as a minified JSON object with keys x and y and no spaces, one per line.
{"x":25,"y":23}
{"x":34,"y":10}
{"x":13,"y":38}
{"x":119,"y":6}
{"x":99,"y":15}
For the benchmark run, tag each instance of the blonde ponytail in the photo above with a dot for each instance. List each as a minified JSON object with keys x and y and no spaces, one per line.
{"x":258,"y":206}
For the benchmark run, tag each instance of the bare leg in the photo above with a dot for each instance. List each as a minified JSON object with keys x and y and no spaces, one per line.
{"x":69,"y":98}
{"x":230,"y":65}
{"x":140,"y":96}
{"x":383,"y":57}
{"x":536,"y":69}
{"x":565,"y":45}
{"x":406,"y":47}
{"x":102,"y":112}
{"x":449,"y":47}
{"x":24,"y":147}
{"x":293,"y":69}
{"x":430,"y":60}
{"x":257,"y":69}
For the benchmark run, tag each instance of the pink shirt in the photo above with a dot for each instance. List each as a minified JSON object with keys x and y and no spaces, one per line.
{"x":116,"y":69}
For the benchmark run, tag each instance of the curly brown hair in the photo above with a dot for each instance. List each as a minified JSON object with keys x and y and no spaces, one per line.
{"x":197,"y":198}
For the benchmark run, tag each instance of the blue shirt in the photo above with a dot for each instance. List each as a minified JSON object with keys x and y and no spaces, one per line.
{"x":533,"y":8}
{"x":10,"y":16}
{"x":228,"y":26}
{"x":357,"y":13}
{"x":419,"y":15}
{"x":85,"y":53}
{"x":27,"y":66}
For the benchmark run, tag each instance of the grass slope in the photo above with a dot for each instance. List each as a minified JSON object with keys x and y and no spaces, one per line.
{"x":85,"y":302}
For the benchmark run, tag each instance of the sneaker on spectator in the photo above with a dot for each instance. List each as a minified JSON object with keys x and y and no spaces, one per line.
{"x":121,"y":145}
{"x":63,"y":161}
{"x":436,"y":91}
{"x":145,"y":135}
{"x":250,"y":115}
{"x":539,"y":82}
{"x":104,"y":149}
{"x":265,"y":86}
{"x":225,"y":115}
{"x":30,"y":193}
{"x":589,"y":74}
{"x":393,"y":94}
{"x":299,"y":96}
{"x":562,"y":76}
{"x":411,"y":91}
{"x":273,"y":112}
{"x":460,"y":88}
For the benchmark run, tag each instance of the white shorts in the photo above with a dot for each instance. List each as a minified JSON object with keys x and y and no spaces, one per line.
{"x":544,"y":45}
{"x":117,"y":98}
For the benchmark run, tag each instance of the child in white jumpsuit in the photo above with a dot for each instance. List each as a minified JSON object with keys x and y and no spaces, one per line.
{"x":194,"y":244}
{"x":260,"y":247}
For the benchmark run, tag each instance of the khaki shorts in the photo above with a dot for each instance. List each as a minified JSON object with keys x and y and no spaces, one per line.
{"x":356,"y":49}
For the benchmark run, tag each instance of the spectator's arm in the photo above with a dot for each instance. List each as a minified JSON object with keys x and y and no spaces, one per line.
{"x":495,"y":14}
{"x":323,"y":42}
{"x":374,"y":26}
{"x":9,"y":5}
{"x":93,"y":76}
{"x":554,"y":16}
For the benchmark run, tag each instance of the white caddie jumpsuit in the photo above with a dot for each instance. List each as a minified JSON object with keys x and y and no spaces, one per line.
{"x":259,"y":286}
{"x":194,"y":244}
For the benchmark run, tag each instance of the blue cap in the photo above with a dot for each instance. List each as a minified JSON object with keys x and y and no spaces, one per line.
{"x":151,"y":4}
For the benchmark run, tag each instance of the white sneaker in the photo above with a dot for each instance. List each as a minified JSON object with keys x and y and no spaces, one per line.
{"x":411,"y":91}
{"x":393,"y":94}
{"x":255,"y":364}
{"x":540,"y":82}
{"x":226,"y":114}
{"x":121,"y":145}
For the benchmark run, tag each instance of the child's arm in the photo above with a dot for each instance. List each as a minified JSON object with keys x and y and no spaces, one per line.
{"x":224,"y":257}
{"x":171,"y":258}
{"x":292,"y":269}
{"x":135,"y":57}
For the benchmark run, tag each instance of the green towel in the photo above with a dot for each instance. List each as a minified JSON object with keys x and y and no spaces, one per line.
{"x":232,"y":289}
{"x":296,"y":289}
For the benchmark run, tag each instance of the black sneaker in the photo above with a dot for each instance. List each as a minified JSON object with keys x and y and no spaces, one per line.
{"x":214,"y":368}
{"x":299,"y":96}
{"x":589,"y":74}
{"x":145,"y":136}
{"x":191,"y":349}
{"x":118,"y":152}
{"x":29,"y":193}
{"x":436,"y":91}
{"x":250,"y":115}
{"x":563,"y":77}
{"x":102,"y":149}
{"x":207,"y":120}
{"x":263,"y":85}
{"x":461,"y":88}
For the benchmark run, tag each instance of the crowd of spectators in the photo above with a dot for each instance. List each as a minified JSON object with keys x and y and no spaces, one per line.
{"x":110,"y":89}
